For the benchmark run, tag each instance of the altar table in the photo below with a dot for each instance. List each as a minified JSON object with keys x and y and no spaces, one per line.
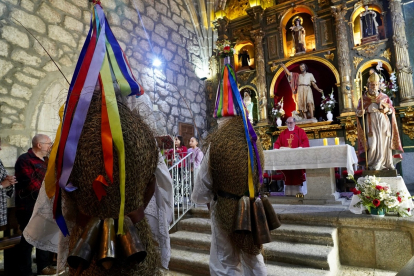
{"x":319,"y":163}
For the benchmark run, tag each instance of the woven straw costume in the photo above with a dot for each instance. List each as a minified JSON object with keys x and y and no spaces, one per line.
{"x":225,"y":176}
{"x":105,"y":173}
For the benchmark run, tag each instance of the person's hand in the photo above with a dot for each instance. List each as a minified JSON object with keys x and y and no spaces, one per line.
{"x":6,"y":183}
{"x":12,"y":179}
{"x":321,"y":91}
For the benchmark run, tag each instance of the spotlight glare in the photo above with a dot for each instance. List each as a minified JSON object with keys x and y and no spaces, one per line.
{"x":156,"y":62}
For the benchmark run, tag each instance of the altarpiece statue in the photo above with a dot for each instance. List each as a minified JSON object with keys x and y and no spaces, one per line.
{"x":298,"y":35}
{"x":302,"y":91}
{"x":369,"y":26}
{"x":381,"y":131}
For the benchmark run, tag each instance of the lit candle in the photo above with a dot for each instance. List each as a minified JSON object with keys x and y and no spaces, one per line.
{"x":325,"y":141}
{"x":336,"y":141}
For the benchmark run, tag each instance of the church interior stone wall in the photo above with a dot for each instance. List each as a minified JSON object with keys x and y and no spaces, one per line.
{"x":32,"y":89}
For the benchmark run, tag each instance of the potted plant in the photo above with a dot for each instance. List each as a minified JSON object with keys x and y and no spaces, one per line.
{"x":328,"y":104}
{"x":277,"y":113}
{"x":378,"y":198}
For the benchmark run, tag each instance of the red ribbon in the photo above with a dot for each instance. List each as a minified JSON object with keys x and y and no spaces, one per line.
{"x":98,"y":186}
{"x":73,"y":100}
{"x":106,"y":136}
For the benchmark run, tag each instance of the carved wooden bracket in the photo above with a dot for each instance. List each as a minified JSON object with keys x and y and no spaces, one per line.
{"x":370,"y":50}
{"x":407,"y":119}
{"x":265,"y":138}
{"x":350,"y":128}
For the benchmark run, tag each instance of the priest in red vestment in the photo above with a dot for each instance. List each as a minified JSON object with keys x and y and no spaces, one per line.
{"x":293,"y":137}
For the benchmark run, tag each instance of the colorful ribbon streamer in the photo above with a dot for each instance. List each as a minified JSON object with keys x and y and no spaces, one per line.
{"x":230,"y":103}
{"x":101,"y":56}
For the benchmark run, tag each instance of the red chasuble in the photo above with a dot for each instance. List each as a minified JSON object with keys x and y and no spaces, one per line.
{"x":293,"y":139}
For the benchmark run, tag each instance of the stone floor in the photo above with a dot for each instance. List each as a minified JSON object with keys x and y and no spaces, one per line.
{"x":286,"y":209}
{"x":360,"y":271}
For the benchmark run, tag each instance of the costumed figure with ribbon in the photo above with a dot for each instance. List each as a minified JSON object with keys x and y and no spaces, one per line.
{"x":383,"y":147}
{"x":228,"y":181}
{"x":106,"y":187}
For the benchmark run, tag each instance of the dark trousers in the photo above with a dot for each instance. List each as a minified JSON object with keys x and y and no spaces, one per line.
{"x":24,"y":250}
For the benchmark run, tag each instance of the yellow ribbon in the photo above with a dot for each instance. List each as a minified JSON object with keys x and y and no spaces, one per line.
{"x":50,"y":179}
{"x":250,"y":180}
{"x":116,"y":130}
{"x":122,"y":82}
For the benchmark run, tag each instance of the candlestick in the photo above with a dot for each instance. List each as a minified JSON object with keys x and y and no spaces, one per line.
{"x":325,"y":141}
{"x":336,"y":141}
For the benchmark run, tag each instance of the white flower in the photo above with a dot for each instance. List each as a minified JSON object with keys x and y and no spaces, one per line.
{"x":322,"y":108}
{"x":379,"y":66}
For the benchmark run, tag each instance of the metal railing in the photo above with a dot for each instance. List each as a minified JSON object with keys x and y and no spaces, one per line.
{"x":183,"y":179}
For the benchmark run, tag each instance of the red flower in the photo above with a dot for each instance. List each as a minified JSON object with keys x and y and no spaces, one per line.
{"x":227,"y":48}
{"x":368,"y":197}
{"x":386,"y":188}
{"x":408,"y":209}
{"x":398,"y":194}
{"x":380,"y":188}
{"x":399,"y":199}
{"x":376,"y":202}
{"x":355,"y":191}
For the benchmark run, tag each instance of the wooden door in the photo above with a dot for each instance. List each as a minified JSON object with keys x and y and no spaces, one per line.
{"x":186,"y":131}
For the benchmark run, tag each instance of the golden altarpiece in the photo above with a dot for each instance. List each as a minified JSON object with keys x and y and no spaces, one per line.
{"x":339,"y":41}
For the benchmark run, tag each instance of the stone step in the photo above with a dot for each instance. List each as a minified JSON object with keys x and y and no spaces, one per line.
{"x":282,"y":269}
{"x":317,"y":256}
{"x":305,"y":234}
{"x":191,"y":240}
{"x":189,"y":262}
{"x":287,"y":232}
{"x":195,"y":263}
{"x":200,"y":211}
{"x":199,"y":225}
{"x":280,"y":251}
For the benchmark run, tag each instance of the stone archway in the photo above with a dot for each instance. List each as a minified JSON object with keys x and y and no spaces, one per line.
{"x":46,"y":114}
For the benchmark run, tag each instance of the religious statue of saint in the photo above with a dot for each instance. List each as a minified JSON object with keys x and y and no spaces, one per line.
{"x":249,"y":105}
{"x":298,"y":35}
{"x":381,"y":131}
{"x":244,"y":57}
{"x":302,"y":91}
{"x":369,"y":25}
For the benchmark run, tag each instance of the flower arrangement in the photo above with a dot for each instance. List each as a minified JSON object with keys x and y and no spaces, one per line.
{"x":224,"y":48}
{"x":277,"y":110}
{"x":387,"y":87}
{"x":328,"y":103}
{"x":376,"y":194}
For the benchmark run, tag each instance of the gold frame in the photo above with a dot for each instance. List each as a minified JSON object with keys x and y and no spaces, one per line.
{"x":303,"y":58}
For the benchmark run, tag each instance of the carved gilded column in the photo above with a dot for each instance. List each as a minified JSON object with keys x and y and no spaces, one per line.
{"x":281,"y":48}
{"x":404,"y":70}
{"x":261,"y":74}
{"x":339,"y":12}
{"x":315,"y":28}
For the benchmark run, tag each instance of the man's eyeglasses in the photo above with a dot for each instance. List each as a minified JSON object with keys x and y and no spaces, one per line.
{"x":50,"y":143}
{"x":289,"y":123}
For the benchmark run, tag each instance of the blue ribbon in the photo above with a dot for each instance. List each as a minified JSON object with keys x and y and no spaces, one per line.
{"x":135,"y":90}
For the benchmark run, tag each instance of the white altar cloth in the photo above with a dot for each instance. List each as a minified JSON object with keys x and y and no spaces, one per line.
{"x":396,"y":184}
{"x":311,"y":158}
